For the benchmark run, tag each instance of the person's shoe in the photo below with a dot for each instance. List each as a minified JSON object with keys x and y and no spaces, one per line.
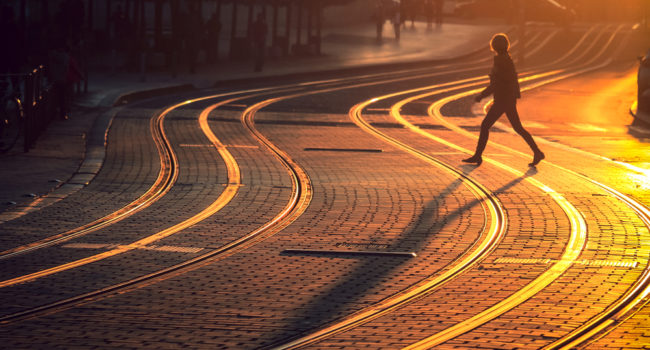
{"x":474,"y":160}
{"x":537,"y":158}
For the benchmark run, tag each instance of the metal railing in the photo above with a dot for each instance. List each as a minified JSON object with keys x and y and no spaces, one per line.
{"x":40,"y":105}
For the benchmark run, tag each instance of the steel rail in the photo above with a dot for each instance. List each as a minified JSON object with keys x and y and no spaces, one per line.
{"x":633,"y":296}
{"x":166,"y":178}
{"x":419,"y":290}
{"x":326,"y":82}
{"x":164,"y":182}
{"x":299,"y":200}
{"x":618,"y":311}
{"x":225,"y":196}
{"x":573,"y":248}
{"x":487,"y":240}
{"x":405,"y":297}
{"x":247,"y":121}
{"x":121,"y":249}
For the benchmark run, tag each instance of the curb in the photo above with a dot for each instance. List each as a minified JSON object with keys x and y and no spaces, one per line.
{"x":133,"y":96}
{"x":92,"y":162}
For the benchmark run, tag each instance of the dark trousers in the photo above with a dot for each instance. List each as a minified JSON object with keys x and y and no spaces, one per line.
{"x":495,"y":112}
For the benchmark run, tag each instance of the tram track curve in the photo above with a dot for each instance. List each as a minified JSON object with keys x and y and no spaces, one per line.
{"x":634,"y":295}
{"x":247,"y":119}
{"x":579,"y":232}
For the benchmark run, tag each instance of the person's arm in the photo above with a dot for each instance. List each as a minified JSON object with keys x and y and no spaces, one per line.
{"x":490,"y":88}
{"x":485,"y":93}
{"x":495,"y":75}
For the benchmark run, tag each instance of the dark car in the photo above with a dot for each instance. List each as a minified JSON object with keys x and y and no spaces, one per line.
{"x":643,"y":81}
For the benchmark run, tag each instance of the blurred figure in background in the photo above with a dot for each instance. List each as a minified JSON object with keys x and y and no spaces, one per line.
{"x":212,"y":30}
{"x":396,"y":19}
{"x":258,"y":35}
{"x":380,"y":18}
{"x":438,"y":6}
{"x":63,"y":72}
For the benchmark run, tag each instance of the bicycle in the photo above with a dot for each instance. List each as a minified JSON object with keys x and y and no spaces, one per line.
{"x":11,"y":120}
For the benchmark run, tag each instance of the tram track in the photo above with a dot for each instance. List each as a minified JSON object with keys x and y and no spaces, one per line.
{"x":166,"y":175}
{"x":572,"y":250}
{"x":631,"y":298}
{"x":168,"y":172}
{"x":248,"y":120}
{"x":165,"y":181}
{"x":299,"y":199}
{"x":616,"y":311}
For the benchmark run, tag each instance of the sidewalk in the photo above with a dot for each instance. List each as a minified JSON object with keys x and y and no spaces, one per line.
{"x":70,"y":153}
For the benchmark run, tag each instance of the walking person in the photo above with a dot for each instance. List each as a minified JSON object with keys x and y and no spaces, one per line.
{"x":258,"y":36}
{"x":505,"y":88}
{"x":438,"y":6}
{"x":379,"y":20}
{"x":212,"y":30}
{"x":397,"y":22}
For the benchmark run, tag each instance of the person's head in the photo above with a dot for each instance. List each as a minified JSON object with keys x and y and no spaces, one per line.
{"x":500,"y":43}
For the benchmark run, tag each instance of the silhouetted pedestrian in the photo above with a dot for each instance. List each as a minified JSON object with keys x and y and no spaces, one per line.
{"x":438,"y":6}
{"x":380,"y":19}
{"x":212,"y":30}
{"x":258,"y":36}
{"x":63,"y":72}
{"x":504,"y":85}
{"x":397,"y":22}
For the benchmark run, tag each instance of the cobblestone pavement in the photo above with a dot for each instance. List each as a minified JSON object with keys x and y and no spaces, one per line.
{"x":573,"y":243}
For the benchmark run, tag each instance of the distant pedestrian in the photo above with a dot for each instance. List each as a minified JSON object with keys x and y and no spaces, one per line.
{"x":438,"y":6}
{"x":212,"y":30}
{"x":63,"y":72}
{"x":397,"y":23}
{"x":380,"y":19}
{"x":258,"y":36}
{"x":504,"y":85}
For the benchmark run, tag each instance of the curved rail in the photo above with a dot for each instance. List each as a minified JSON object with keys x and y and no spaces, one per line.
{"x":372,"y":83}
{"x":170,"y":159}
{"x":164,"y":182}
{"x":632,"y":297}
{"x":428,"y":285}
{"x":572,"y":250}
{"x":486,"y":242}
{"x":299,"y":199}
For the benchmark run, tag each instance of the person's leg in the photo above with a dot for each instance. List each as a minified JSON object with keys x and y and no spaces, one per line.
{"x":492,"y":116}
{"x":513,"y":117}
